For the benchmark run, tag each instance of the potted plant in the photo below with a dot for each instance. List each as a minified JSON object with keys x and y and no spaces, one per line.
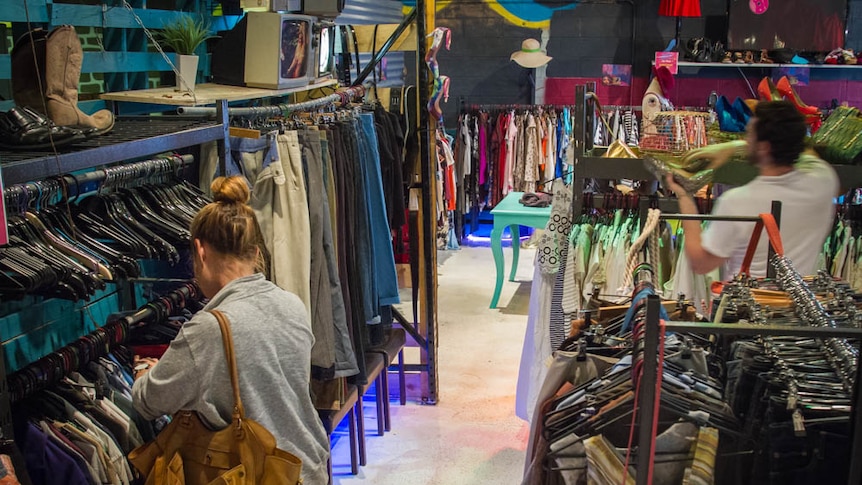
{"x":184,"y":35}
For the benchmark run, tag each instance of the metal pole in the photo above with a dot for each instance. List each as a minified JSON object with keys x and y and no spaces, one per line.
{"x":646,"y":404}
{"x":223,"y":116}
{"x":413,"y":15}
{"x":855,"y":477}
{"x":425,"y":11}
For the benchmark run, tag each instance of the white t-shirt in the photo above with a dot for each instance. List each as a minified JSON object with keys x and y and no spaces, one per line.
{"x":807,"y":214}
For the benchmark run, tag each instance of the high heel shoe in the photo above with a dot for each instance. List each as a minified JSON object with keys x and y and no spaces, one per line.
{"x":767,"y":90}
{"x":741,"y":112}
{"x":726,"y":119}
{"x":787,"y":90}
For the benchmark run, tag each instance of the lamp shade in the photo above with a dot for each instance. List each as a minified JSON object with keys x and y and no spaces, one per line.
{"x":679,"y":8}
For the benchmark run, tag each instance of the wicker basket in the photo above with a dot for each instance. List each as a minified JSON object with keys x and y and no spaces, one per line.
{"x":676,"y":132}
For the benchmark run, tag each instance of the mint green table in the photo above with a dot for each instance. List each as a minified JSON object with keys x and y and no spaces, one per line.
{"x":511,"y":213}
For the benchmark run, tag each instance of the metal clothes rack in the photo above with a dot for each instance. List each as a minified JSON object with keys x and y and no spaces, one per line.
{"x":20,"y":195}
{"x":651,"y":338}
{"x":344,"y":96}
{"x":52,"y":367}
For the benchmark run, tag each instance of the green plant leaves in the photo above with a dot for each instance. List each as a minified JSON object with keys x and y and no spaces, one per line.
{"x":185,"y":34}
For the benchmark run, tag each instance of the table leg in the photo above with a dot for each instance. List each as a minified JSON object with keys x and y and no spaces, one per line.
{"x":515,"y":232}
{"x":497,"y":250}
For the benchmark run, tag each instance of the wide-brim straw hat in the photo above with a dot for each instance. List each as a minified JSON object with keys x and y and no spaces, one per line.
{"x":531,"y":55}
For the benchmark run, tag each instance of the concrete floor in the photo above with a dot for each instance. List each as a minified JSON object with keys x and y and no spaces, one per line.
{"x":472,"y":435}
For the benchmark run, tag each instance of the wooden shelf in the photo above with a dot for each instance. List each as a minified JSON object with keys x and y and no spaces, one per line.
{"x":766,"y":66}
{"x":206,"y":94}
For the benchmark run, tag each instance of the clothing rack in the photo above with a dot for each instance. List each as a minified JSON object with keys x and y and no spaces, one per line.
{"x":51,"y":368}
{"x":650,"y":375}
{"x":343,"y":96}
{"x":72,"y":185}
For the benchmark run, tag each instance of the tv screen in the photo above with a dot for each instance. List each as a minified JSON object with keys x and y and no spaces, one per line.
{"x":326,"y":51}
{"x":294,"y":48}
{"x":803,"y":25}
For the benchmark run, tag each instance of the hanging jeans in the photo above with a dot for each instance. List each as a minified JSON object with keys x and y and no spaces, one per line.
{"x":279,"y":202}
{"x":328,"y":318}
{"x":381,"y":237}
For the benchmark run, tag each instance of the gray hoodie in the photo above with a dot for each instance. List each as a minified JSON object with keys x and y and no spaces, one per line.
{"x":272,"y":340}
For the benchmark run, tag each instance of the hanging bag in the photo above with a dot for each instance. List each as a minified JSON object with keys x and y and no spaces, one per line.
{"x":186,"y":452}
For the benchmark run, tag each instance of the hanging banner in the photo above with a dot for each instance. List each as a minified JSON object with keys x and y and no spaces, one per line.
{"x":4,"y":230}
{"x":670,"y":60}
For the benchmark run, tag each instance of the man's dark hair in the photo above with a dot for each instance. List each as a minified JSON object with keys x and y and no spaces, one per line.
{"x":781,"y":124}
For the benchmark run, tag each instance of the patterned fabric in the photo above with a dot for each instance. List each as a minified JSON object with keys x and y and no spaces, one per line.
{"x":557,"y":230}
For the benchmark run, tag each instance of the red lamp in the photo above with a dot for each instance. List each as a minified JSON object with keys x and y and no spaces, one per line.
{"x":679,"y":9}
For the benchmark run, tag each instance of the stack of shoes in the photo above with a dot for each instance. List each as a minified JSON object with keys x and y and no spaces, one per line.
{"x":46,"y":69}
{"x":841,"y":56}
{"x":25,"y":129}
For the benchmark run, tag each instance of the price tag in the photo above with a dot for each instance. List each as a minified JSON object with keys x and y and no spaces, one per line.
{"x":670,"y":60}
{"x":4,"y":230}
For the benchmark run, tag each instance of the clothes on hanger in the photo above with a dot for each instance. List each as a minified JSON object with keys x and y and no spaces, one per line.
{"x":509,"y":149}
{"x":318,"y":191}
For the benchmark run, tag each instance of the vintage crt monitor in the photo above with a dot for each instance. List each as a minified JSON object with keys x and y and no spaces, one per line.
{"x":324,"y":50}
{"x":278,"y":50}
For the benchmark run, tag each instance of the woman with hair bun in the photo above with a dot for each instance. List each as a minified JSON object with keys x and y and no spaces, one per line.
{"x":271,"y":332}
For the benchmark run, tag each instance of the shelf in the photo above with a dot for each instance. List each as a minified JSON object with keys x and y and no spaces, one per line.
{"x":207,"y":94}
{"x":766,"y":66}
{"x":732,"y":173}
{"x":131,"y":138}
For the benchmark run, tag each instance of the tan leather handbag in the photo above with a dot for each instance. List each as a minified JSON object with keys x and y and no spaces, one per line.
{"x":186,"y":452}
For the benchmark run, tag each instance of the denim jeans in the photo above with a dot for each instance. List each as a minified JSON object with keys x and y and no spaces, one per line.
{"x":381,"y":237}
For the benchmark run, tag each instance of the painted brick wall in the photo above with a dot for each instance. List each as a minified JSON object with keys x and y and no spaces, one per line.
{"x":478,"y":63}
{"x":583,"y":39}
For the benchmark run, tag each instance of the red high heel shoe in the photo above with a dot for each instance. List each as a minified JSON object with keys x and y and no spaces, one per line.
{"x":814,"y":122}
{"x":787,"y":90}
{"x":767,"y":90}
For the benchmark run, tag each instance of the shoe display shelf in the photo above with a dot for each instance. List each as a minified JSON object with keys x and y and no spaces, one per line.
{"x":589,"y":165}
{"x":767,"y":65}
{"x":140,"y":136}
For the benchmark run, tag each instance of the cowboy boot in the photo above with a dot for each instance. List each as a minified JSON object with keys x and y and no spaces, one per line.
{"x":63,"y":68}
{"x":28,"y":71}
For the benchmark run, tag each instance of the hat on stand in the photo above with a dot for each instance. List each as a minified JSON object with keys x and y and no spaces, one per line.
{"x":531,"y":54}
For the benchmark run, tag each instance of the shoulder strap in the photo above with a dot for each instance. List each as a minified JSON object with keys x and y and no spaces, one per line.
{"x":227,"y":340}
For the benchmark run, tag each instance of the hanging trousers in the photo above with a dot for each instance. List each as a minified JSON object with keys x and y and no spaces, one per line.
{"x":329,"y":320}
{"x":386,"y":283}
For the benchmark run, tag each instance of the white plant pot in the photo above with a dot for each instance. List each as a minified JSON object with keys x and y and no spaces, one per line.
{"x":188,"y":67}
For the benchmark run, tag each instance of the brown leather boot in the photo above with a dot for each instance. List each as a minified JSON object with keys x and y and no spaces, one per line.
{"x":28,"y":69}
{"x":64,"y":57}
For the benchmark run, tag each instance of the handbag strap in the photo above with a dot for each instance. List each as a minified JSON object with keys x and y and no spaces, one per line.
{"x":768,"y":222}
{"x":227,"y":340}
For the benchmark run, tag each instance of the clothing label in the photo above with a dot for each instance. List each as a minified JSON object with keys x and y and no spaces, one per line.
{"x":4,"y":230}
{"x":413,"y":204}
{"x":670,"y":60}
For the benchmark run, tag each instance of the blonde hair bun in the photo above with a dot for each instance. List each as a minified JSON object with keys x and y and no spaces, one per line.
{"x":230,"y":190}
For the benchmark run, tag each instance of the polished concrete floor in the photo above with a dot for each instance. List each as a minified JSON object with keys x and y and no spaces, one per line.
{"x":471,"y":436}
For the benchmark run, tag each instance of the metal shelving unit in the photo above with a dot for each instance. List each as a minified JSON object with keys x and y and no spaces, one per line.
{"x":131,"y":138}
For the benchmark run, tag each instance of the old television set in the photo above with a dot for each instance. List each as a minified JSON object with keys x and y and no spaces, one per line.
{"x":279,"y":51}
{"x":324,"y":50}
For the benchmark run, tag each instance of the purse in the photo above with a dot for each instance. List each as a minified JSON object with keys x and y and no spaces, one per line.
{"x":186,"y":452}
{"x":839,"y":140}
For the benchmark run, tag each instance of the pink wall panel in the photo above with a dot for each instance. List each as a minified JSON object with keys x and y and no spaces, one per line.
{"x":693,"y":91}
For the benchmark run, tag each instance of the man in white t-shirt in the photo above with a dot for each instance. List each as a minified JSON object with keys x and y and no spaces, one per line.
{"x":804,"y":184}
